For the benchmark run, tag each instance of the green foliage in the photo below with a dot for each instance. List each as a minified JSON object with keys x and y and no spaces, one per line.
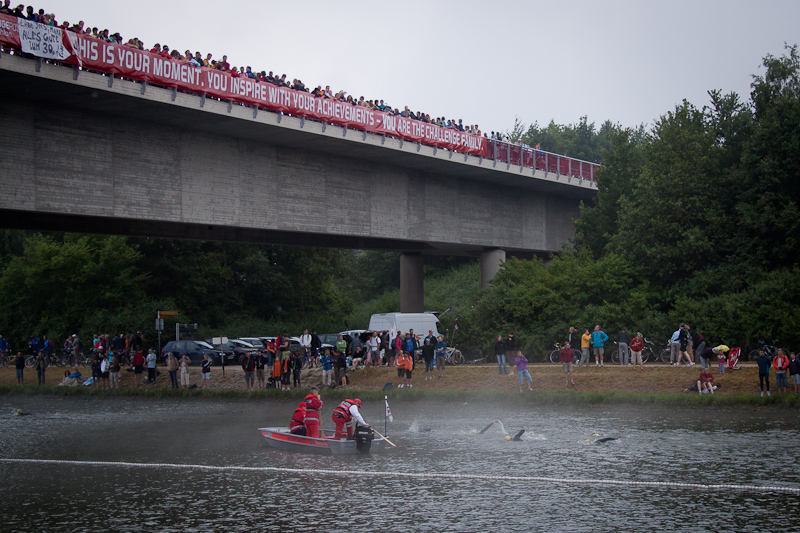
{"x":60,"y":287}
{"x":581,"y":140}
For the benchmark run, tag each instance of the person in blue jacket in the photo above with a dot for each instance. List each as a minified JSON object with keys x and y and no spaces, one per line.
{"x":599,"y":339}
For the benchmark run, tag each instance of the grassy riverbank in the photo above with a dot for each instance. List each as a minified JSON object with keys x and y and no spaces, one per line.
{"x":659,"y":384}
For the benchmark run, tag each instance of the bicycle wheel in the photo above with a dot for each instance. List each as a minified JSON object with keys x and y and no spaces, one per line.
{"x":615,"y":357}
{"x":4,"y":362}
{"x":555,"y":356}
{"x":30,"y":361}
{"x":664,"y":355}
{"x":85,"y":360}
{"x":647,"y":353}
{"x":456,"y":357}
{"x":752,"y":356}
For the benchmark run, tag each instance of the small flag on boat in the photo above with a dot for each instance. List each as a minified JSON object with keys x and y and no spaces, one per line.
{"x":388,"y":411}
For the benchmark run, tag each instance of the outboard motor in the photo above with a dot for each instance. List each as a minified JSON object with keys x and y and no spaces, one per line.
{"x":363,"y":436}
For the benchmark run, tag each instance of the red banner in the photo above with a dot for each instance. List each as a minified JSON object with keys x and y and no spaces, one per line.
{"x":140,"y":65}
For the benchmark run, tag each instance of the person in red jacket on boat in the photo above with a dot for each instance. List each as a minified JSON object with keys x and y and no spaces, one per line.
{"x":343,"y":417}
{"x":313,"y":405}
{"x":297,"y":425}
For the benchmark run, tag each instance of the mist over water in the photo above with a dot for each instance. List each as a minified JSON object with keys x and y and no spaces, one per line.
{"x":688,"y":445}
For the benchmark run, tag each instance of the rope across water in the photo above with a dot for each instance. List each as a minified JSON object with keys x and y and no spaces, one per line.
{"x":420,"y":475}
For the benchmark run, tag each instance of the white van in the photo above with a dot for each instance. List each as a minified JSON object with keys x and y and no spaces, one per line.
{"x":403,"y":322}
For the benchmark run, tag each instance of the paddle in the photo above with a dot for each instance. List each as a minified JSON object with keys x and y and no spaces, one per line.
{"x":484,"y":430}
{"x":384,"y":438}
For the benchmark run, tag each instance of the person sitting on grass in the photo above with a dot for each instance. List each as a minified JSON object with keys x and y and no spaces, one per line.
{"x":705,"y":382}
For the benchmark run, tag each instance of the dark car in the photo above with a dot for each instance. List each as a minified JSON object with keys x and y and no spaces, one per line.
{"x":196,"y":350}
{"x":234,"y":349}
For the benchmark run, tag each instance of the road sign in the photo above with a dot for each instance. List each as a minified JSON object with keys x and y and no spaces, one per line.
{"x":159,"y":324}
{"x":168,"y":313}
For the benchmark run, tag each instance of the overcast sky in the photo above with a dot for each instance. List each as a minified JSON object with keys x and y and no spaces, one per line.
{"x":484,"y":62}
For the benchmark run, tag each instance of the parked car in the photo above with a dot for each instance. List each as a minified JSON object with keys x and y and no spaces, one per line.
{"x":235,"y":349}
{"x":196,"y":350}
{"x":257,"y":343}
{"x":328,"y":340}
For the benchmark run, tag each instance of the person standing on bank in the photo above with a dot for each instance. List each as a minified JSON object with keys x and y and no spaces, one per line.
{"x":172,"y":368}
{"x":184,"y":371}
{"x":522,"y":370}
{"x":441,"y":354}
{"x":500,"y":353}
{"x":566,"y":363}
{"x":599,"y":339}
{"x":511,"y":347}
{"x":41,"y":365}
{"x":586,"y":343}
{"x":763,"y":370}
{"x":624,"y":341}
{"x":637,"y":345}
{"x":151,"y":366}
{"x":573,"y":341}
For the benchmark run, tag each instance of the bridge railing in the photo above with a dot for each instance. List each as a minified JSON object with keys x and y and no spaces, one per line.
{"x":87,"y":53}
{"x":525,"y":156}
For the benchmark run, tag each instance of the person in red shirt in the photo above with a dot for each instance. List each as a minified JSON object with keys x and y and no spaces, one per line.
{"x":343,"y":416}
{"x":705,"y":382}
{"x":138,"y":364}
{"x":567,"y":357}
{"x":313,"y":406}
{"x":781,"y":363}
{"x":637,"y":345}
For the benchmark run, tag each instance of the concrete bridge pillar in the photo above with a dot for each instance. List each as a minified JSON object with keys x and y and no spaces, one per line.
{"x":491,"y":262}
{"x":412,"y":299}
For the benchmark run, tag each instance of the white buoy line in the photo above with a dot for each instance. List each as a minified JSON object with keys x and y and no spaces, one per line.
{"x":420,"y":475}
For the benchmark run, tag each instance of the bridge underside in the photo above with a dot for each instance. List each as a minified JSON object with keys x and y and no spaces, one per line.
{"x":81,"y":156}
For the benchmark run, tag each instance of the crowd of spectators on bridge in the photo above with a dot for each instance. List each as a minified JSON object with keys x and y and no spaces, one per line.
{"x":207,"y":60}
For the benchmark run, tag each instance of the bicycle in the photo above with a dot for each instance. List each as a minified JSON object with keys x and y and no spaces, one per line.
{"x":555,"y":355}
{"x":771,"y":350}
{"x":454,"y":356}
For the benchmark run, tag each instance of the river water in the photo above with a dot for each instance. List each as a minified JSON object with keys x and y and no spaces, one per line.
{"x":698,"y":445}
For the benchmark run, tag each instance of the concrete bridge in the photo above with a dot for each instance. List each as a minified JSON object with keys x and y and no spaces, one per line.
{"x":85,"y":152}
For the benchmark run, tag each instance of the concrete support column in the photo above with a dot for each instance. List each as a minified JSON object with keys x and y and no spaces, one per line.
{"x":412,"y":299}
{"x":491,"y":263}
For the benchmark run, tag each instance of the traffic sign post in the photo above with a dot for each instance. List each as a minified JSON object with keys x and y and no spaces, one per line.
{"x":221,"y":341}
